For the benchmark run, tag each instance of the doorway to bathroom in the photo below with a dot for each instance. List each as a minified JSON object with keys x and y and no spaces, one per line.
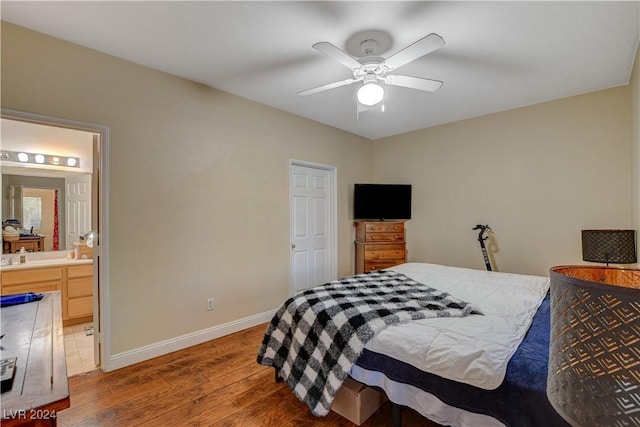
{"x":84,"y":291}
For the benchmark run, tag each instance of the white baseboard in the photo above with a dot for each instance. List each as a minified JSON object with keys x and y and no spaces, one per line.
{"x":120,"y":360}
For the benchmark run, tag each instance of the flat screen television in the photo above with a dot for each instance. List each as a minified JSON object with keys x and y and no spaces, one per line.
{"x":382,"y":201}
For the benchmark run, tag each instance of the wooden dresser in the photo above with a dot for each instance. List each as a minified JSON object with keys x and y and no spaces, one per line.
{"x":379,"y":244}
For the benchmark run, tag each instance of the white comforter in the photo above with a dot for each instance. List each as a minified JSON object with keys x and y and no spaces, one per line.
{"x":475,"y":349}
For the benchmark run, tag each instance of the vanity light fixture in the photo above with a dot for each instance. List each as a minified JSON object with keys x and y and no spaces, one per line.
{"x":40,"y":159}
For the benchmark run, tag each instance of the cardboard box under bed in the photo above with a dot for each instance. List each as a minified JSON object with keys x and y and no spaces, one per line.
{"x":356,"y":401}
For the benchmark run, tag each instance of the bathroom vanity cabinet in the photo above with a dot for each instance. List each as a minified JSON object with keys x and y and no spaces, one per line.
{"x":75,"y":283}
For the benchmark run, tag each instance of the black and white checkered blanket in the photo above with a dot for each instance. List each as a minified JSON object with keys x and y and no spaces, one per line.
{"x":318,"y":334}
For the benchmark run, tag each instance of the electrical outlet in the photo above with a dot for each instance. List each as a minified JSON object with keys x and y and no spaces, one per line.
{"x":209,"y":303}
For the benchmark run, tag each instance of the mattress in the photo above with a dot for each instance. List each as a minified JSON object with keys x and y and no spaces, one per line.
{"x":520,"y":401}
{"x":474,"y":350}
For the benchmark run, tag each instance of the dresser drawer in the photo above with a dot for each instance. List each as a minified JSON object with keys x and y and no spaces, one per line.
{"x":384,"y":237}
{"x":379,"y":265}
{"x":80,"y":270}
{"x":80,"y":307}
{"x":384,"y":227}
{"x":384,"y":252}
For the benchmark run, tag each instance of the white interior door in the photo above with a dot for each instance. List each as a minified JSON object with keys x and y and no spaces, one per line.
{"x":78,"y":212}
{"x":312,"y":194}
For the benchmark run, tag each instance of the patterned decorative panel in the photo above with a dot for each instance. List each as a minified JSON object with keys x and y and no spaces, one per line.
{"x":594,"y":357}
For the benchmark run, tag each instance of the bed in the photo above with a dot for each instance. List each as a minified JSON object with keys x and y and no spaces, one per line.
{"x":485,"y":366}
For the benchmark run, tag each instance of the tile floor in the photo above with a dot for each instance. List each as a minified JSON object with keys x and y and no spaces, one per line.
{"x":79,"y":349}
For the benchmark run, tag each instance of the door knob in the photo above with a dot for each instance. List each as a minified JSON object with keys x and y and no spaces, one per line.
{"x":293,"y":246}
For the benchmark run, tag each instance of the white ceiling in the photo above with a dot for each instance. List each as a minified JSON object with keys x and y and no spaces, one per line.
{"x":498,"y":55}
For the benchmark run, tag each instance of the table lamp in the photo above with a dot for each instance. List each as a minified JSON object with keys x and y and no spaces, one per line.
{"x":609,"y":246}
{"x":594,"y":354}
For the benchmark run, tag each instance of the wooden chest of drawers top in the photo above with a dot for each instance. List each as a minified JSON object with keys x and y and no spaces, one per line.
{"x":386,"y":231}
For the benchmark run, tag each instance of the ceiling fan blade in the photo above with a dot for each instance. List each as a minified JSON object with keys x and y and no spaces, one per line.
{"x":337,"y":54}
{"x":326,"y":87}
{"x":413,"y":82}
{"x":414,"y":51}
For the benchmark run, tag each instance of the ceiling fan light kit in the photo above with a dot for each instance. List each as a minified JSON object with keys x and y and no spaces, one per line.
{"x":371,"y":92}
{"x":370,"y":69}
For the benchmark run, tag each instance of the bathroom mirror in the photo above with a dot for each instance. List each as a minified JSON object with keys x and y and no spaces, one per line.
{"x":54,"y":200}
{"x":41,"y":204}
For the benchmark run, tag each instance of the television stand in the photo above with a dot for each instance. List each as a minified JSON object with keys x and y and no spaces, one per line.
{"x":379,"y":244}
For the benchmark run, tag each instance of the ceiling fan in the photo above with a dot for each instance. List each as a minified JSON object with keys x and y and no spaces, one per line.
{"x":371,"y":69}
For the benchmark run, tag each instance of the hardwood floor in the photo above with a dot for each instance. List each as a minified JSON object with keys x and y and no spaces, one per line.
{"x":217,"y":383}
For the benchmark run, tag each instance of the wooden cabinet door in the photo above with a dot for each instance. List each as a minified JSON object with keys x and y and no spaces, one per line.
{"x":79,"y":291}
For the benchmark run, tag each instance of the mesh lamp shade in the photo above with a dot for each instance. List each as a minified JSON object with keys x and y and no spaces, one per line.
{"x":594,"y":354}
{"x":609,"y":246}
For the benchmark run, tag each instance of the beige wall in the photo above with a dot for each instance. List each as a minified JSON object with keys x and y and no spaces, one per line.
{"x":536,"y":175}
{"x":198,"y":184}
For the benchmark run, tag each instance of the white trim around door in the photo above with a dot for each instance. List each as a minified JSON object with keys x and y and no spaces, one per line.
{"x":331,"y":232}
{"x":101,"y":244}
